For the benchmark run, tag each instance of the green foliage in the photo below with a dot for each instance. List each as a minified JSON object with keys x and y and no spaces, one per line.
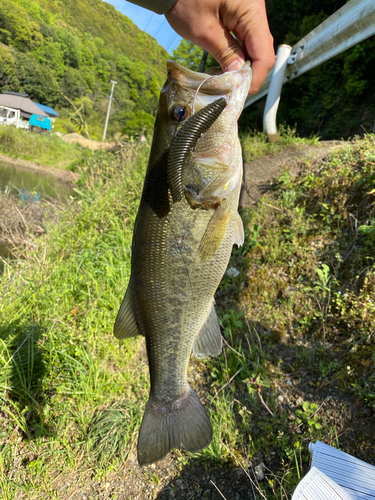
{"x":59,"y":376}
{"x":368,"y":231}
{"x":16,"y":29}
{"x":46,"y":53}
{"x":190,"y":55}
{"x":308,"y":416}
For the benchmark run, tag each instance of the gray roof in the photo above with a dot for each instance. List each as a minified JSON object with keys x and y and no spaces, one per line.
{"x":24,"y":104}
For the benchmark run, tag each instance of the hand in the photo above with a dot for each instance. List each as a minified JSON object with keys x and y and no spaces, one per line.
{"x":208,"y":23}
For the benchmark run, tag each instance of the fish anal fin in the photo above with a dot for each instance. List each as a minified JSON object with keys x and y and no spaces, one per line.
{"x":209,"y":341}
{"x":125,"y":324}
{"x":239,"y":233}
{"x":214,"y":234}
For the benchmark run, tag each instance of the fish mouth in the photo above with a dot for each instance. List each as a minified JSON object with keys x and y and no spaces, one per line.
{"x":198,"y":90}
{"x":208,"y":141}
{"x":217,"y":84}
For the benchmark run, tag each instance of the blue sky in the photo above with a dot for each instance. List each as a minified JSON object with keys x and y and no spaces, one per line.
{"x":150,"y":22}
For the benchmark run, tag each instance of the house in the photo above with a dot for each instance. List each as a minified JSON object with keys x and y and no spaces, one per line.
{"x":17,"y":109}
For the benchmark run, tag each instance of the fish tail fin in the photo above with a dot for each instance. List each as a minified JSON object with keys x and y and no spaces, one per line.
{"x":164,"y":427}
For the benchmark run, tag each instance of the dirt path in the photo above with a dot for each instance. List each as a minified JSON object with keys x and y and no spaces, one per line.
{"x":259,"y":174}
{"x":60,"y":175}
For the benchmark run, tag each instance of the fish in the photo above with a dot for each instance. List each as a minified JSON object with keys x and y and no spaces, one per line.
{"x":186,"y":225}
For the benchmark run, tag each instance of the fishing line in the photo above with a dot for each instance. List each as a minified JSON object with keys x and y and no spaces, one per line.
{"x":196,"y":92}
{"x":200,"y":85}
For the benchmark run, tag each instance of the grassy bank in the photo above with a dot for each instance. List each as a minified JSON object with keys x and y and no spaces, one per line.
{"x":44,"y":149}
{"x":297,"y":321}
{"x":254,"y":144}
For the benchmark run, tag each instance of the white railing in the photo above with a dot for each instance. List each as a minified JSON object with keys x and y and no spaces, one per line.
{"x":351,"y":24}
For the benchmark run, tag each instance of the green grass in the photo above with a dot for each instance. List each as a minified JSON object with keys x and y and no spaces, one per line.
{"x":307,"y":277}
{"x":71,"y":399}
{"x":254,"y":144}
{"x":60,"y":362}
{"x":44,"y":149}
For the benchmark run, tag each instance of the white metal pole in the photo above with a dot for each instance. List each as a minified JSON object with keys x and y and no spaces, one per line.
{"x":108,"y":110}
{"x":274,"y":91}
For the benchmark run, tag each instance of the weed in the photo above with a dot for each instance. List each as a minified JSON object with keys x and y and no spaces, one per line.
{"x":61,"y":367}
{"x":43,"y":149}
{"x":254,"y":144}
{"x":308,"y":416}
{"x":368,"y":231}
{"x":66,"y":386}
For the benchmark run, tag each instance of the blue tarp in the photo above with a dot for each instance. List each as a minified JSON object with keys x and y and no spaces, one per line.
{"x":47,"y":109}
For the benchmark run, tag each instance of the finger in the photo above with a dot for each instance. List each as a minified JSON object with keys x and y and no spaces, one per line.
{"x":223,"y":47}
{"x":262,"y":56}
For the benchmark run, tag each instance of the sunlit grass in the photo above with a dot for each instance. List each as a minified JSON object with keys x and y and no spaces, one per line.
{"x":44,"y":149}
{"x":60,"y":361}
{"x":254,"y":144}
{"x":72,"y":399}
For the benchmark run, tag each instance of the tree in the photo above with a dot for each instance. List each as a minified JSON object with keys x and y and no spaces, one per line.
{"x":36,"y":80}
{"x":8,"y":72}
{"x":190,"y":55}
{"x":16,"y":29}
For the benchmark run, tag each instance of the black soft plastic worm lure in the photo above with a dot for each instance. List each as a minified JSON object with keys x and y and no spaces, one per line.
{"x":186,"y":141}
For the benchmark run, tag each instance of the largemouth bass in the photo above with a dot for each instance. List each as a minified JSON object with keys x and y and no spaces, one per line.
{"x":185,"y":228}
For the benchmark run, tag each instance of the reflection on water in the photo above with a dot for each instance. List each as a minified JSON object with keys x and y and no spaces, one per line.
{"x":13,"y":181}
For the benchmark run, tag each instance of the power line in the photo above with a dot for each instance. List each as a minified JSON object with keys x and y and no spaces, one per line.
{"x":152,"y":15}
{"x":171,"y":41}
{"x":160,"y":27}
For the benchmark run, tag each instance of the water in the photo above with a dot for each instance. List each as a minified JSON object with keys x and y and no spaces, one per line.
{"x":29,"y":185}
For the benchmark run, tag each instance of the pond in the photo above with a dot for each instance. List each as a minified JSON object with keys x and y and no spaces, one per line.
{"x":30,"y":185}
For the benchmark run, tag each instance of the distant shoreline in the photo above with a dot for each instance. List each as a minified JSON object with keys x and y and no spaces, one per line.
{"x":59,"y":174}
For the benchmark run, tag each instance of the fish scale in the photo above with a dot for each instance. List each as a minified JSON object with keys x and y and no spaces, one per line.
{"x":181,"y":248}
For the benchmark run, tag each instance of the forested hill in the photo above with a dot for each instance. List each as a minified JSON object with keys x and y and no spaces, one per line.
{"x":58,"y":50}
{"x":101,"y":19}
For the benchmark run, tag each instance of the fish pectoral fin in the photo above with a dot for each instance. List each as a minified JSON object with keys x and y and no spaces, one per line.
{"x":209,"y":341}
{"x":125,"y":324}
{"x":214,"y":234}
{"x":239,"y":233}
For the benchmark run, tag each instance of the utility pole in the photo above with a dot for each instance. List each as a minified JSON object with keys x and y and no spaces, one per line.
{"x":109,"y":109}
{"x":202,"y":65}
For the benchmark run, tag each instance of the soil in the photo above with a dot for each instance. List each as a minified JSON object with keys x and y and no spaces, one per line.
{"x":173,"y":478}
{"x":259,"y":174}
{"x":87,"y":143}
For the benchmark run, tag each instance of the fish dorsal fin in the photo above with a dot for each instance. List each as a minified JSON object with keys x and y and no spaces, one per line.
{"x":214,"y":234}
{"x":209,"y":342}
{"x":239,"y":233}
{"x":125,"y":324}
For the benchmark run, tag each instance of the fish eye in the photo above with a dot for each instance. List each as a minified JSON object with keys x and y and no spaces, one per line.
{"x":179,"y":113}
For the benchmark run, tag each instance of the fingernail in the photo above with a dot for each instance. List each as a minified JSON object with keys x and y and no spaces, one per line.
{"x":233,"y":66}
